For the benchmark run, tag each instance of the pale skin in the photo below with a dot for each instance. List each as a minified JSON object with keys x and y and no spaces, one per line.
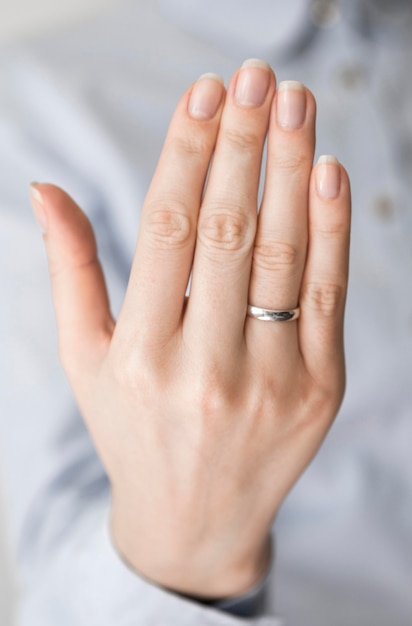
{"x":204,"y":417}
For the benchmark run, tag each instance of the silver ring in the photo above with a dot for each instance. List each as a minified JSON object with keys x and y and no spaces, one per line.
{"x":269,"y":315}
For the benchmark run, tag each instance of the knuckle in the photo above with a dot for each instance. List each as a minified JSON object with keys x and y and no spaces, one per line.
{"x":192,"y":144}
{"x":244,"y":140}
{"x":169,"y":227}
{"x":324,"y":298}
{"x":318,"y":411}
{"x":276,"y":256}
{"x":324,"y":401}
{"x":334,"y":230}
{"x":227,"y":231}
{"x":211,"y":400}
{"x":213,"y":408}
{"x":290,"y":161}
{"x":211,"y":390}
{"x":124,"y":370}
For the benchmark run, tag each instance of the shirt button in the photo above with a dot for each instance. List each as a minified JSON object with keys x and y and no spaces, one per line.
{"x":352,"y":77}
{"x":325,"y":13}
{"x":383,"y":207}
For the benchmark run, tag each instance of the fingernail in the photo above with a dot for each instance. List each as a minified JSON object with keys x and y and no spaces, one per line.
{"x":206,"y":97}
{"x":291,"y":104}
{"x":252,"y":83}
{"x":38,"y":206}
{"x":328,"y":177}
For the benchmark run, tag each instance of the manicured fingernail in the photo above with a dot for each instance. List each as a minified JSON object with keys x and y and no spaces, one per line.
{"x":206,"y":97}
{"x":252,"y":83}
{"x":38,"y":206}
{"x":291,"y":104}
{"x":328,"y":177}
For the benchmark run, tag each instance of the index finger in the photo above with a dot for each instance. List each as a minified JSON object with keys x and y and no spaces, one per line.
{"x":161,"y":267}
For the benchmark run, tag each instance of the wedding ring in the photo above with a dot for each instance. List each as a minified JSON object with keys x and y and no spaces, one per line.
{"x":269,"y":315}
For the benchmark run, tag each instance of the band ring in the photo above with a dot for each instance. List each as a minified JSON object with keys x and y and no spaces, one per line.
{"x":269,"y":315}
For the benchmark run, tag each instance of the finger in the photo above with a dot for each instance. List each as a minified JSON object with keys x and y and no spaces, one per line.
{"x":281,"y":239}
{"x":80,"y":299}
{"x":155,"y":296}
{"x":227,"y":220}
{"x":326,"y":274}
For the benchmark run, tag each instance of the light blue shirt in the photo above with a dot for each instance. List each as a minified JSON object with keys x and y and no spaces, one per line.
{"x":88,"y":109}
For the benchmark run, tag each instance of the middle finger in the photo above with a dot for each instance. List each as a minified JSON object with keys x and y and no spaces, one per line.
{"x":227,"y":221}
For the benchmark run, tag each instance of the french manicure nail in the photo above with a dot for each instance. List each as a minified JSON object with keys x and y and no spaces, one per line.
{"x":252,"y":83}
{"x":38,"y":206}
{"x":206,"y":97}
{"x":328,"y":177}
{"x":291,"y":104}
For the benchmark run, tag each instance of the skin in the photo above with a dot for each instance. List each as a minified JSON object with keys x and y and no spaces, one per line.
{"x":203,"y":417}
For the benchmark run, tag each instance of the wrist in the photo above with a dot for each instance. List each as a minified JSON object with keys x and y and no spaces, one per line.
{"x":250,"y":603}
{"x":205,"y":573}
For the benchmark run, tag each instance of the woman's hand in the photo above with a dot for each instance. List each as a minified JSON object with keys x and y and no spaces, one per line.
{"x":204,"y":417}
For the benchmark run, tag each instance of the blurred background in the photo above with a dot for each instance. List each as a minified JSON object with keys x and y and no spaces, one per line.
{"x":23,"y":18}
{"x":20,"y":19}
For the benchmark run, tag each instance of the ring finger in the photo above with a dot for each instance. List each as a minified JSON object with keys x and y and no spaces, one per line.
{"x":281,"y":239}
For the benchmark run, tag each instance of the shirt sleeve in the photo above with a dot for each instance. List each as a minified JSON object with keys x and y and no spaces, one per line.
{"x":87,"y":582}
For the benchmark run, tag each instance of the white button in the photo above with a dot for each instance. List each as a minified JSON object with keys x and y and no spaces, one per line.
{"x":383,"y":206}
{"x":325,"y":13}
{"x":352,"y":77}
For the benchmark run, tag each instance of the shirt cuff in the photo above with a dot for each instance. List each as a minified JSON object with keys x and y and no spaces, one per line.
{"x":252,"y":603}
{"x":157,"y":602}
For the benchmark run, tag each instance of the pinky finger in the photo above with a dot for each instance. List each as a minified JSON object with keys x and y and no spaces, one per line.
{"x":324,"y":285}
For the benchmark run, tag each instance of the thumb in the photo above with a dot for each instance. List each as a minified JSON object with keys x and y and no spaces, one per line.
{"x":80,"y":299}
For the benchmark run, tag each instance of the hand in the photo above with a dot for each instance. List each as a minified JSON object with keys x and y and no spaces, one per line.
{"x":203,"y":417}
